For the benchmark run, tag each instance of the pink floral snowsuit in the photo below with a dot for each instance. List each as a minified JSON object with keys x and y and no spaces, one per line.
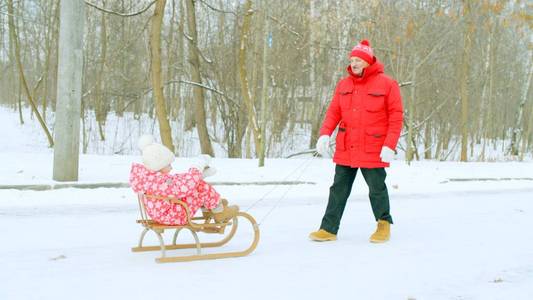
{"x":189,"y":187}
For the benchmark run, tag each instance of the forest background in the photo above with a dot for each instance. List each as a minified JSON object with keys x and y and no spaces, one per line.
{"x":252,"y":78}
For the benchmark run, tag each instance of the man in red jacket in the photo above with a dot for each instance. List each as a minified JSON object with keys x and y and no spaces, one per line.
{"x":367,"y":108}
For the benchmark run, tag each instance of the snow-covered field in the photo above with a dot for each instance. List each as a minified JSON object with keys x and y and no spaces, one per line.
{"x":451,"y":239}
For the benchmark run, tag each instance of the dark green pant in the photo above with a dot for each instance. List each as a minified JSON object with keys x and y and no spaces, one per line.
{"x":340,"y":191}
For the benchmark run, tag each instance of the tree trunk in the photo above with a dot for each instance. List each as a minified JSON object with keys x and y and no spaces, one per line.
{"x":316,"y":97}
{"x":527,"y":136}
{"x":484,"y":102}
{"x":121,"y":100}
{"x":180,"y":58}
{"x":69,"y":84}
{"x":440,"y":138}
{"x":410,"y":121}
{"x":171,"y":56}
{"x":84,"y":136}
{"x":427,"y":141}
{"x":264,"y":96}
{"x":48,"y":49}
{"x":517,"y":130}
{"x":247,"y":143}
{"x":14,"y":38}
{"x":245,"y":89}
{"x":100,"y":105}
{"x":157,"y":84}
{"x":464,"y":91}
{"x":19,"y":102}
{"x":199,"y":101}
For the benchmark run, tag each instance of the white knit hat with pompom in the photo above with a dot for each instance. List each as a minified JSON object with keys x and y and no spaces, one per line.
{"x":155,"y":155}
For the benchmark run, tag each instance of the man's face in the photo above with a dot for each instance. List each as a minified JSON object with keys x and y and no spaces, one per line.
{"x":358,"y":65}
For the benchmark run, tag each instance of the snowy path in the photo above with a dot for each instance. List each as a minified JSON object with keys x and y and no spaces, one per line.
{"x":457,"y":245}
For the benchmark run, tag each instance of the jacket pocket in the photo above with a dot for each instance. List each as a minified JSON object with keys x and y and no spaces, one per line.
{"x":340,"y":140}
{"x":375,"y":101}
{"x":345,"y":97}
{"x":375,"y":138}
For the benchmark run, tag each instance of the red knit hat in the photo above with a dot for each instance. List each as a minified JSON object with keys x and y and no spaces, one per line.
{"x":363,"y":51}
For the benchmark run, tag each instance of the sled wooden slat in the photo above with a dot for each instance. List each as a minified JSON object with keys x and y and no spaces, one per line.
{"x":209,"y":227}
{"x":201,"y":257}
{"x":165,"y":226}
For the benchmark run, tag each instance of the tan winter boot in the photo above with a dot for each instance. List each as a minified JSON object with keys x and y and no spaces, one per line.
{"x":322,"y":236}
{"x":382,"y":233}
{"x":228,"y":212}
{"x":207,"y":214}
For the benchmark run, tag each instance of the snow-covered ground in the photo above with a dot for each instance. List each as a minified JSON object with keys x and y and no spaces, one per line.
{"x":451,"y":239}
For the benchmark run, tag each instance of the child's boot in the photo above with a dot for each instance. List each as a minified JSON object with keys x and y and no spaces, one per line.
{"x":227,"y":213}
{"x":206,"y":213}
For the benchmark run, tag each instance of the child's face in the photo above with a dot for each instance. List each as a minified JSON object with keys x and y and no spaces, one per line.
{"x":166,"y":169}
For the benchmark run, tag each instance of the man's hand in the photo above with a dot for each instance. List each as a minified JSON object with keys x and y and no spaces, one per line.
{"x":387,"y":154}
{"x":322,"y":146}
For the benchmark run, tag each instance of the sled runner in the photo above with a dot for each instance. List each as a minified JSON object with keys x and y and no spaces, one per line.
{"x":194,"y":225}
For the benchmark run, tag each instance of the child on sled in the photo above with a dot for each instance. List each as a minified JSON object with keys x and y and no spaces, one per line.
{"x":153,"y":177}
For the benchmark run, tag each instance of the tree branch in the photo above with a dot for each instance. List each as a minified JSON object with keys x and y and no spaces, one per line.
{"x":427,"y":117}
{"x":207,"y":60}
{"x":285,"y":26}
{"x":121,"y":14}
{"x":198,"y":84}
{"x":218,"y":9}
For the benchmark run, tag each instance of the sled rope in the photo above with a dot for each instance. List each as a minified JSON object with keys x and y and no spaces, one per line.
{"x":275,"y":187}
{"x":302,"y":168}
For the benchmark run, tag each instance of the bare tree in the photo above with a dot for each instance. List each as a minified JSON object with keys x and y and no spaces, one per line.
{"x":157,"y":83}
{"x":22,"y":76}
{"x":245,"y":85}
{"x":457,"y":105}
{"x":194,"y":60}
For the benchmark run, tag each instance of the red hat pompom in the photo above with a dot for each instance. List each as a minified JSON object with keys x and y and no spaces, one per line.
{"x":363,"y":51}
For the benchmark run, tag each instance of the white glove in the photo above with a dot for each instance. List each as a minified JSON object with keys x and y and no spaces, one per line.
{"x":322,"y":146}
{"x":209,"y":171}
{"x":201,"y":162}
{"x":387,"y":154}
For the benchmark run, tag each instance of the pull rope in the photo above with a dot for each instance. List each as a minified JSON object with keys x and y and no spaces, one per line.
{"x":275,"y":187}
{"x":305,"y":164}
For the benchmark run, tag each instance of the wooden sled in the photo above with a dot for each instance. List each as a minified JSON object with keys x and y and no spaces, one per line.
{"x":206,"y":225}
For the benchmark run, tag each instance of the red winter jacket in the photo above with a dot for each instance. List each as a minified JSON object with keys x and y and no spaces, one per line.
{"x":369,"y":112}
